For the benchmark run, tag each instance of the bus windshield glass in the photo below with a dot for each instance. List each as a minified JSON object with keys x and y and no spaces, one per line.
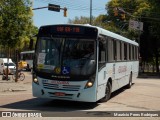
{"x":66,"y":56}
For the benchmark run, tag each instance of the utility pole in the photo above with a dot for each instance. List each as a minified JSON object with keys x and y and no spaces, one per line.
{"x":16,"y":76}
{"x":90,"y":12}
{"x":7,"y":70}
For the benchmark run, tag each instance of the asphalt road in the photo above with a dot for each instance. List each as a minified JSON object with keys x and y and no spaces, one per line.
{"x":144,"y":96}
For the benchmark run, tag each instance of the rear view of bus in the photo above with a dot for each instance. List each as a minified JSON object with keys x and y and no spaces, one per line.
{"x":65,"y":63}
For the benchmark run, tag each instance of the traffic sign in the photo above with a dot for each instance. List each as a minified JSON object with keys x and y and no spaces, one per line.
{"x":53,"y":7}
{"x":136,"y":25}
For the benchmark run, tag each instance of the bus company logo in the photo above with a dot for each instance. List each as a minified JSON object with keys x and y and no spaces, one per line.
{"x":122,"y":69}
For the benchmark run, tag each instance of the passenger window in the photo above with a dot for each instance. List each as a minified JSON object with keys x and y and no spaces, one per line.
{"x":118,"y":50}
{"x":115,"y":49}
{"x":102,"y":52}
{"x":125,"y":51}
{"x":110,"y":50}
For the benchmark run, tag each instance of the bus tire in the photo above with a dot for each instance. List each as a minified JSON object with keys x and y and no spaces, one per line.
{"x":107,"y":93}
{"x":129,"y":85}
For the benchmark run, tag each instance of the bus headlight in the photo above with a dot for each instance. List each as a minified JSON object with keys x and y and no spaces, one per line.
{"x":35,"y":80}
{"x":90,"y":82}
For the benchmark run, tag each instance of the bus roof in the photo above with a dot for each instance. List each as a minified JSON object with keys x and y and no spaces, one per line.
{"x":104,"y":32}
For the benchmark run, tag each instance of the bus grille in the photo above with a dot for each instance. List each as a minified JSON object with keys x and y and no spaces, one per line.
{"x":62,"y":87}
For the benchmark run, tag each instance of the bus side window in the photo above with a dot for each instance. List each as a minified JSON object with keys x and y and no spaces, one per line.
{"x":115,"y":49}
{"x":102,"y":52}
{"x":125,"y":51}
{"x":128,"y":58}
{"x":133,"y":50}
{"x":129,"y":51}
{"x":110,"y":50}
{"x":118,"y":50}
{"x":122,"y":50}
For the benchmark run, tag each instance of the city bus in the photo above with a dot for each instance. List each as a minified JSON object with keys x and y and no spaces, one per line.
{"x":26,"y":60}
{"x":82,"y":63}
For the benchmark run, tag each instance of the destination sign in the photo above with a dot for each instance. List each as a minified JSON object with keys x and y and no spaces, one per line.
{"x":68,"y":29}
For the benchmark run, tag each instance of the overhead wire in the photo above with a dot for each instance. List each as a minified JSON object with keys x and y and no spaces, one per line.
{"x":70,"y":4}
{"x":73,"y":5}
{"x":66,"y":4}
{"x":85,"y":6}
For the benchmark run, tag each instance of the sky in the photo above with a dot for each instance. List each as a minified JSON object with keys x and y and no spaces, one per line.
{"x":74,"y":8}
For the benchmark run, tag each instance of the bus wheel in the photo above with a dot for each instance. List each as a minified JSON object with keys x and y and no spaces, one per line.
{"x":107,"y":93}
{"x":130,"y":82}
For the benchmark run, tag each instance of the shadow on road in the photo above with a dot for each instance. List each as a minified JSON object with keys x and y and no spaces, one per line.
{"x":50,"y":105}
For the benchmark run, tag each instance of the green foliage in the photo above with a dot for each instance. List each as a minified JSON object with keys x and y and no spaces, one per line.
{"x":146,"y":11}
{"x":15,"y":22}
{"x":104,"y":22}
{"x":154,"y":15}
{"x":81,"y":20}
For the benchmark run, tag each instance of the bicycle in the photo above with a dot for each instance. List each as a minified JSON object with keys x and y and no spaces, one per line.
{"x":21,"y":75}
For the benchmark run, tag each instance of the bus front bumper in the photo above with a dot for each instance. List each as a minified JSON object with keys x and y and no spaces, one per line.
{"x":84,"y":95}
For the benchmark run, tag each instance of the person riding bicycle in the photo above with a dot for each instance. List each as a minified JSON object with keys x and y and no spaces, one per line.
{"x":20,"y":76}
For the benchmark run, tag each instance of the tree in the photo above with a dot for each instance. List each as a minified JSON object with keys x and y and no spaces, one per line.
{"x":119,"y":12}
{"x":146,"y":12}
{"x":80,"y":20}
{"x":155,"y":31}
{"x":105,"y":22}
{"x":15,"y":22}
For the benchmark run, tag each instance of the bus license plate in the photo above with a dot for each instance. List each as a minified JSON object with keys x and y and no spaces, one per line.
{"x":59,"y":94}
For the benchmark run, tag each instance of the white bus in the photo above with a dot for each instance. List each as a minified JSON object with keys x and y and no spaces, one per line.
{"x":82,"y":63}
{"x":26,"y":59}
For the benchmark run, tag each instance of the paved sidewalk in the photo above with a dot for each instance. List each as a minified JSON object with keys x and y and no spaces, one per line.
{"x":7,"y":86}
{"x":26,"y":85}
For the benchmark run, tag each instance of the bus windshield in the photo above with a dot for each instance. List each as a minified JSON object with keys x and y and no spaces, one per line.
{"x":66,"y":56}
